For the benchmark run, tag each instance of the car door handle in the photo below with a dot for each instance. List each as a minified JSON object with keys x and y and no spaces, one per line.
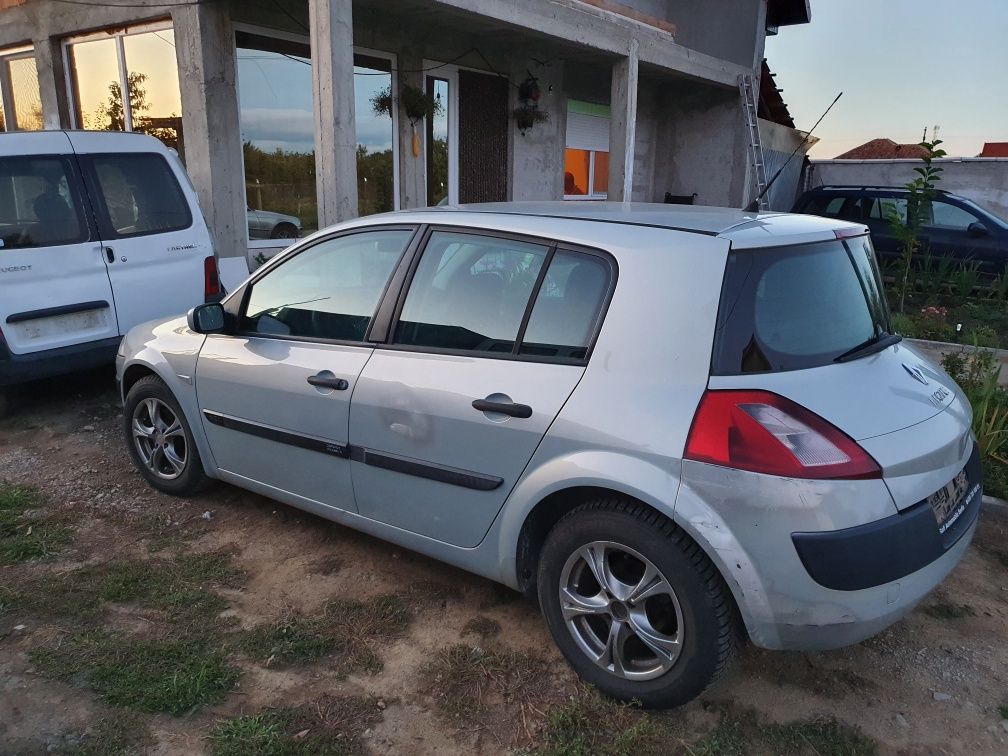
{"x":504,"y":408}
{"x":109,"y":254}
{"x":328,"y":381}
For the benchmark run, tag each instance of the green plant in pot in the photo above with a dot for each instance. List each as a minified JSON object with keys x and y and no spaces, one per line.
{"x":528,"y":114}
{"x":416,"y":104}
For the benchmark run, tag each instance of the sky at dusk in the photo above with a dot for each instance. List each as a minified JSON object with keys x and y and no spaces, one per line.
{"x":902,"y":65}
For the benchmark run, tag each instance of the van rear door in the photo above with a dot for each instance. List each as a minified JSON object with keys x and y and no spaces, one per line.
{"x":155,"y":236}
{"x":54,"y":284}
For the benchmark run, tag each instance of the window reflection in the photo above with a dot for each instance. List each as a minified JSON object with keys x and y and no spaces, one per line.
{"x":437,"y":144}
{"x":278,"y":136}
{"x":27,"y":104}
{"x":375,"y":136}
{"x":153,"y":104}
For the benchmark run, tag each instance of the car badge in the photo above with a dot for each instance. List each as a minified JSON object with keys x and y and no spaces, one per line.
{"x":916,"y":373}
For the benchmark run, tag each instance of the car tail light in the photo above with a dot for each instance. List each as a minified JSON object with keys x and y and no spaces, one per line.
{"x":211,"y":280}
{"x":762,"y":432}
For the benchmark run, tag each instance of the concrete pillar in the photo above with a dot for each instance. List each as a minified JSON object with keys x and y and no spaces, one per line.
{"x":52,"y":83}
{"x":623,"y":125}
{"x":204,"y":49}
{"x":536,"y":167}
{"x":412,"y":168}
{"x":331,"y":26}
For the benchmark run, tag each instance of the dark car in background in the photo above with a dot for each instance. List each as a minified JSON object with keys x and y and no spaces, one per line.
{"x":954,"y":227}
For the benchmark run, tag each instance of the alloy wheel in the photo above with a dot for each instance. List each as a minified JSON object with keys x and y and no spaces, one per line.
{"x":621,"y":610}
{"x":159,"y":438}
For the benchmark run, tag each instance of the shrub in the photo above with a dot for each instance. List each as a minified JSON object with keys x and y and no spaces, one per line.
{"x":983,"y":336}
{"x":932,"y":324}
{"x":904,"y":325}
{"x":977,"y":373}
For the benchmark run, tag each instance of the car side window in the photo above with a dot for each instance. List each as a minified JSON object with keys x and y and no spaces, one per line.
{"x":885,"y":207}
{"x":39,"y":203}
{"x":140,"y":193}
{"x":567,"y":307}
{"x":470,"y":292}
{"x":328,"y":291}
{"x":949,"y":216}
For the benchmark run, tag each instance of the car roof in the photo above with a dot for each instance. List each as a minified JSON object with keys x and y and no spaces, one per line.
{"x":743,"y":229}
{"x":63,"y":142}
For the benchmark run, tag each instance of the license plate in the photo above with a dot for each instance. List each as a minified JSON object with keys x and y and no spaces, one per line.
{"x":948,"y":503}
{"x":55,"y":326}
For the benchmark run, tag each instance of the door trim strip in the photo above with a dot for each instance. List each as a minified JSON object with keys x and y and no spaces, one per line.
{"x":406,"y":465}
{"x":49,"y":312}
{"x":330,"y":448}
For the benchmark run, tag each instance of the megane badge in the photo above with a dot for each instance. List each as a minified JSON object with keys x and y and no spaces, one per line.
{"x":916,"y":373}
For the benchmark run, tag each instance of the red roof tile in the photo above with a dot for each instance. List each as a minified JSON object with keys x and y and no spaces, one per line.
{"x":883,"y":149}
{"x":994,"y":149}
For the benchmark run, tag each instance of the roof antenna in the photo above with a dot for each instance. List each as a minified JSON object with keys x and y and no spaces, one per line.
{"x":753,"y":206}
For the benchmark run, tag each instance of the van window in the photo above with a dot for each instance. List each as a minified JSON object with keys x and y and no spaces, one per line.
{"x":328,"y":291}
{"x":141,"y":195}
{"x":470,"y":293}
{"x":567,"y":307}
{"x":795,"y":307}
{"x":39,"y":203}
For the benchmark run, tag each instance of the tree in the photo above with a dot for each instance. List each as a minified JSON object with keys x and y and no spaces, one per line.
{"x":920,"y":193}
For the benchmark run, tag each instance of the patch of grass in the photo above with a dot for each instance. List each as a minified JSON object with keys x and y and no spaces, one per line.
{"x":119,"y":733}
{"x":1003,"y":711}
{"x":174,"y":674}
{"x":589,"y":724}
{"x":482,"y":626}
{"x":24,"y":537}
{"x":348,"y":627}
{"x":330,"y":725}
{"x":948,"y":610}
{"x":464,"y":678}
{"x":181,"y":587}
{"x":995,"y":479}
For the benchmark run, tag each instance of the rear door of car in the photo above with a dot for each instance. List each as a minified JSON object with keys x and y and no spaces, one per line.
{"x":491,"y":336}
{"x":275,"y":397}
{"x":156,"y":241}
{"x":945,"y":231}
{"x":54,"y":283}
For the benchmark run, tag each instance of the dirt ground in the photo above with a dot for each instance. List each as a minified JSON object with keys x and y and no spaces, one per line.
{"x":937,"y":682}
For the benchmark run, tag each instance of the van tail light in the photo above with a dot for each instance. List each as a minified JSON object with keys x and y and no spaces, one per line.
{"x":763,"y":432}
{"x":211,"y":280}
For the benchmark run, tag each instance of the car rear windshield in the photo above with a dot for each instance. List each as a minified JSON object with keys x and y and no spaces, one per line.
{"x":795,"y":307}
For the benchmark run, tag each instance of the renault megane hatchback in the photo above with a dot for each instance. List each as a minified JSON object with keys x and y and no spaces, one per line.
{"x":668,"y":424}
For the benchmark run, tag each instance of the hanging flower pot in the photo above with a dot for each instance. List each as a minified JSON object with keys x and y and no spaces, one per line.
{"x":528,"y":114}
{"x":416,"y":104}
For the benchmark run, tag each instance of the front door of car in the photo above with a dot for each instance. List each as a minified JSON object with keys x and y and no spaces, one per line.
{"x":492,"y":337}
{"x":945,"y":230}
{"x":275,"y":397}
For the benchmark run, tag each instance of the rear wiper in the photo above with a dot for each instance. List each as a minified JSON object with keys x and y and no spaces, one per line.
{"x":876,"y":343}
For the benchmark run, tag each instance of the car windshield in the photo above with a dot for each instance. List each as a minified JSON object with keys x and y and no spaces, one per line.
{"x":795,"y":307}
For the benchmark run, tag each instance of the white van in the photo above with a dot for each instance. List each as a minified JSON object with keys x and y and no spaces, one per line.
{"x":99,"y":231}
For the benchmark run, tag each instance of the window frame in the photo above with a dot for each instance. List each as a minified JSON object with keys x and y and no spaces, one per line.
{"x":237,"y":305}
{"x":117,"y":34}
{"x":261,"y":31}
{"x":21,"y":52}
{"x":384,"y":340}
{"x":99,"y":206}
{"x":78,"y":188}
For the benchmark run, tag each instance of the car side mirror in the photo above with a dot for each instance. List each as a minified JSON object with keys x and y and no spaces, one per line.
{"x":206,"y":318}
{"x":977,"y":230}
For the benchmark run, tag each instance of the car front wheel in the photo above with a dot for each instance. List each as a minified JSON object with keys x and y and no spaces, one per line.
{"x":636,"y":607}
{"x":159,"y":440}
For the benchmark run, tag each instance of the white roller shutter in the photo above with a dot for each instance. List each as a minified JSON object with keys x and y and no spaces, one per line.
{"x":587,"y":132}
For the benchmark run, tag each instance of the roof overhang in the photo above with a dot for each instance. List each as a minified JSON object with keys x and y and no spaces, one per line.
{"x":788,"y":12}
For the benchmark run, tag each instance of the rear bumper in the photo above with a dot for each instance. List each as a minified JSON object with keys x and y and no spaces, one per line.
{"x":848,"y":584}
{"x":19,"y":368}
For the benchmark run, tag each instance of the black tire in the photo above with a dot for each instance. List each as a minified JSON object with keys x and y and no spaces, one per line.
{"x":192,"y":479}
{"x":710,"y":627}
{"x":284,"y":231}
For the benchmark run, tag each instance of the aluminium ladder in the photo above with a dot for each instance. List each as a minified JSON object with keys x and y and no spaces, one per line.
{"x":748,"y":90}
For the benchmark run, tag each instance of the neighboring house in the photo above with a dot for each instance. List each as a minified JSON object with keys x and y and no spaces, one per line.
{"x":270,"y":103}
{"x":884,"y":149}
{"x":994,"y":150}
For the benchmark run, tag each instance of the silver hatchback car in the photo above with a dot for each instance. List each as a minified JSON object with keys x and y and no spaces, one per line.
{"x":668,"y":424}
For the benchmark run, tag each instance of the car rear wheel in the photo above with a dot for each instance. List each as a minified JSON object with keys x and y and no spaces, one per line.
{"x":159,"y":440}
{"x":635,"y":606}
{"x":284,"y":231}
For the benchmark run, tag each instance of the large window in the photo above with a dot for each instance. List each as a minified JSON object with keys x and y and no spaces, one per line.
{"x":278,"y":134}
{"x":20,"y":104}
{"x":586,"y":159}
{"x":140,"y":194}
{"x":329,"y":291}
{"x":140,"y":62}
